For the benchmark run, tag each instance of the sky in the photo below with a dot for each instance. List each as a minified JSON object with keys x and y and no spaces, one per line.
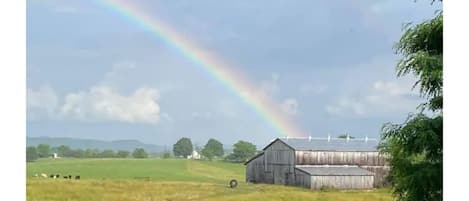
{"x":329,"y":66}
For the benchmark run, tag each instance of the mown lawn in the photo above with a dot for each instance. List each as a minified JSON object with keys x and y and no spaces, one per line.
{"x":170,"y":179}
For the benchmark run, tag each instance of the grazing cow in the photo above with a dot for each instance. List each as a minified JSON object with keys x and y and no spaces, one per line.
{"x":69,"y":176}
{"x":65,"y":177}
{"x":51,"y":176}
{"x":57,"y":176}
{"x":44,"y":175}
{"x":77,"y":177}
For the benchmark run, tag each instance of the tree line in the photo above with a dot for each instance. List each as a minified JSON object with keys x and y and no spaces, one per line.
{"x":46,"y":151}
{"x":213,"y":149}
{"x":183,"y":148}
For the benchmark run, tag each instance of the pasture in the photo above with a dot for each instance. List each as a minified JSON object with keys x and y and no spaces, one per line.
{"x":164,"y":179}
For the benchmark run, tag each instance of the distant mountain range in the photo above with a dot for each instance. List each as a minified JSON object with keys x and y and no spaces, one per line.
{"x":76,"y":143}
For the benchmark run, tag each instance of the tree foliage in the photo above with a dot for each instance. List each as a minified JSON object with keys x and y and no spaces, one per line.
{"x":91,"y":153}
{"x":344,"y":136}
{"x":183,"y":147}
{"x":416,"y":150}
{"x":242,"y":151}
{"x":108,"y":153}
{"x":31,"y":154}
{"x":166,"y":154}
{"x":64,"y":151}
{"x":123,"y":154}
{"x":43,"y":150}
{"x":76,"y":153}
{"x":212,"y":149}
{"x":416,"y":146}
{"x":140,"y":153}
{"x":422,"y":49}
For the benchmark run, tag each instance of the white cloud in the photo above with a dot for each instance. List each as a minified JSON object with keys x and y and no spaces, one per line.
{"x":100,"y":103}
{"x":103,"y":103}
{"x":41,"y":103}
{"x":290,"y":106}
{"x":382,"y":99}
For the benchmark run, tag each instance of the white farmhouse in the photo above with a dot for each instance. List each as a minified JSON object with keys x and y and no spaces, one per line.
{"x":194,"y":155}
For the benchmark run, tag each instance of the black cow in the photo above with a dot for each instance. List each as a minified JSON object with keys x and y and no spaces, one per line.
{"x":57,"y":176}
{"x":51,"y":176}
{"x":77,"y":177}
{"x":69,"y":176}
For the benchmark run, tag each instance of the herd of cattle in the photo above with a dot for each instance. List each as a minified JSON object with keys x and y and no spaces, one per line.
{"x":56,"y":176}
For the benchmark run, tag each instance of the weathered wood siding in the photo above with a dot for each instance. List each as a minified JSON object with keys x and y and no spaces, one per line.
{"x":342,"y":182}
{"x":277,"y":166}
{"x":381,"y":175}
{"x":302,"y":179}
{"x":340,"y":158}
{"x":279,"y":160}
{"x":371,"y":161}
{"x":255,"y":170}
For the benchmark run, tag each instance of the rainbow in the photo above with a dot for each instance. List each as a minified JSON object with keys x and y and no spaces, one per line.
{"x":269,"y":111}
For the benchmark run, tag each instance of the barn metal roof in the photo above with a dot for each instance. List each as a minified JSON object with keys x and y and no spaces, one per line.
{"x":334,"y":170}
{"x":305,"y":144}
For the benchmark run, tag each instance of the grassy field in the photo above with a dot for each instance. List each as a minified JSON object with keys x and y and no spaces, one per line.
{"x":169,"y":179}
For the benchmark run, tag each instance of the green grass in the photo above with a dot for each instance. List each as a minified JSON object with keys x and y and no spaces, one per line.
{"x":170,"y":179}
{"x":155,"y":169}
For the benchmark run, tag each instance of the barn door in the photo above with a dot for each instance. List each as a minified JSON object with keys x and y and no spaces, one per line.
{"x":279,"y":176}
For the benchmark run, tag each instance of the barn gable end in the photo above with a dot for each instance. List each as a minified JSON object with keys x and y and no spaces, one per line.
{"x":279,"y":160}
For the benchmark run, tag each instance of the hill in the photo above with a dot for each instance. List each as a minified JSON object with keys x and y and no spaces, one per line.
{"x":76,"y":143}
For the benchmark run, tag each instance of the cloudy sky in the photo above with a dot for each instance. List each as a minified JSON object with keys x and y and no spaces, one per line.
{"x":329,"y":65}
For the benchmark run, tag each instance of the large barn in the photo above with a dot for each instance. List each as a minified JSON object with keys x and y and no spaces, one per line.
{"x":315,"y":163}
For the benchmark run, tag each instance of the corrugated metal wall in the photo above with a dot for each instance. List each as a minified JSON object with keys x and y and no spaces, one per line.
{"x":342,"y":182}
